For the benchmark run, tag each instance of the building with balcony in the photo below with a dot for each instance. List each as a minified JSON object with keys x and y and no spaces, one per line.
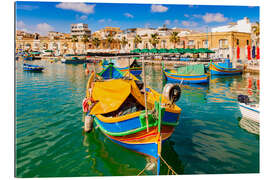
{"x":80,"y":30}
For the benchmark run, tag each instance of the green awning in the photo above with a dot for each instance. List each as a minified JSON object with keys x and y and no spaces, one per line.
{"x":154,"y":50}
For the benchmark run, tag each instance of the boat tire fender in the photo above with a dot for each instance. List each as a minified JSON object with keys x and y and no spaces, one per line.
{"x":172,"y":92}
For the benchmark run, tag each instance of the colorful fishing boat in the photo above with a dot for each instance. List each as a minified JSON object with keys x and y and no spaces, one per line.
{"x":33,"y":68}
{"x":120,"y":112}
{"x":134,"y":67}
{"x":28,"y":57}
{"x":224,"y":68}
{"x":187,"y":74}
{"x":249,"y":110}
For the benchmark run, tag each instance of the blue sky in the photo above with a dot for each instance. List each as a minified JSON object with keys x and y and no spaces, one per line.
{"x":42,"y":17}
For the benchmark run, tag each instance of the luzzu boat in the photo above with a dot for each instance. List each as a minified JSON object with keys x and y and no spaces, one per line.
{"x":120,"y":113}
{"x":33,"y":68}
{"x":134,"y":68}
{"x":187,"y":74}
{"x":224,"y":68}
{"x":28,"y":57}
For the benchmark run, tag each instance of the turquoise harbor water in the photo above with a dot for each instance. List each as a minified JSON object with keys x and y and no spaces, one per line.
{"x":50,"y":142}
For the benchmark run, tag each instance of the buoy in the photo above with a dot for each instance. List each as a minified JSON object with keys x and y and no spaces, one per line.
{"x":86,"y":71}
{"x":88,"y":123}
{"x":85,"y":104}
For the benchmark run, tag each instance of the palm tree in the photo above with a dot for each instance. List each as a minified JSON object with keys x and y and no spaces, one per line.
{"x":137,"y":40}
{"x":96,"y":42}
{"x":174,"y":38}
{"x":109,"y":40}
{"x":256,"y":30}
{"x":85,"y":40}
{"x":74,"y":40}
{"x":123,"y":42}
{"x":154,"y":39}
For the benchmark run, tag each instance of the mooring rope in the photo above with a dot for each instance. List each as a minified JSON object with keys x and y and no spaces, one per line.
{"x":169,"y":167}
{"x":142,"y":171}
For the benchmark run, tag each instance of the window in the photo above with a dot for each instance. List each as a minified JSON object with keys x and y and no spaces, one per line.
{"x":205,"y":43}
{"x":191,"y":42}
{"x":223,"y":43}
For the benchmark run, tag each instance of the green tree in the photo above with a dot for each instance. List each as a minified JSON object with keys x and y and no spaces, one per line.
{"x":109,"y":39}
{"x":85,"y":39}
{"x":74,"y":40}
{"x":154,"y":40}
{"x":123,"y":42}
{"x":137,"y":40}
{"x":96,"y":42}
{"x":174,"y":38}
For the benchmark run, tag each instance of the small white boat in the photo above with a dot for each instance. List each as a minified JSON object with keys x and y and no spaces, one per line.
{"x":249,"y":110}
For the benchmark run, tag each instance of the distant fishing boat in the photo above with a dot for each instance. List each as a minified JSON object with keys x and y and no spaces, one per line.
{"x":134,"y":67}
{"x":74,"y":59}
{"x":28,"y":57}
{"x":187,"y":74}
{"x":36,"y":55}
{"x":224,"y":68}
{"x":120,"y":113}
{"x":31,"y":67}
{"x":248,"y":110}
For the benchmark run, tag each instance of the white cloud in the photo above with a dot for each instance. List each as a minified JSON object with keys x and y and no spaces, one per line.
{"x":101,"y":20}
{"x":147,"y":25}
{"x":79,"y":7}
{"x":158,"y":8}
{"x":27,"y":7}
{"x":167,"y":22}
{"x":104,"y":20}
{"x":43,"y":28}
{"x":197,"y":15}
{"x":128,"y":15}
{"x":83,"y":17}
{"x":189,"y":23}
{"x":175,"y":21}
{"x":214,"y":17}
{"x":186,"y":15}
{"x":20,"y":25}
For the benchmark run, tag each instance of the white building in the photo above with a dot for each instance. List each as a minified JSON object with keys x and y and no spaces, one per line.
{"x":242,"y":25}
{"x":79,"y":30}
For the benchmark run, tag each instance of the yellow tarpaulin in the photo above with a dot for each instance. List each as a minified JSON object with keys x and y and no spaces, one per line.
{"x":110,"y":94}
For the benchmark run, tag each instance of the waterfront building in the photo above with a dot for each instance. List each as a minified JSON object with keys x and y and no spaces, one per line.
{"x":80,"y":30}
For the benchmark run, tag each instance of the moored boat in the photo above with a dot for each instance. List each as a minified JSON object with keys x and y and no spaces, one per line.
{"x":74,"y":59}
{"x":187,"y":74}
{"x":134,"y":67}
{"x":120,"y":113}
{"x":27,"y":57}
{"x":224,"y":68}
{"x":33,"y":68}
{"x":248,"y":109}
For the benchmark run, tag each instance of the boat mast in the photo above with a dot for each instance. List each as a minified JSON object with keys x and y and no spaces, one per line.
{"x":145,"y":99}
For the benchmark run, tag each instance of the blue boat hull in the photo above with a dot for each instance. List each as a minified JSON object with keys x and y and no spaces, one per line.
{"x":186,"y":79}
{"x":134,"y":123}
{"x":28,"y":58}
{"x":33,"y":68}
{"x":219,"y":70}
{"x":133,"y":71}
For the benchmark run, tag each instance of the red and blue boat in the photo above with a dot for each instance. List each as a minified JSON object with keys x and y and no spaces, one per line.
{"x":224,"y":68}
{"x":120,"y":113}
{"x":192,"y":74}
